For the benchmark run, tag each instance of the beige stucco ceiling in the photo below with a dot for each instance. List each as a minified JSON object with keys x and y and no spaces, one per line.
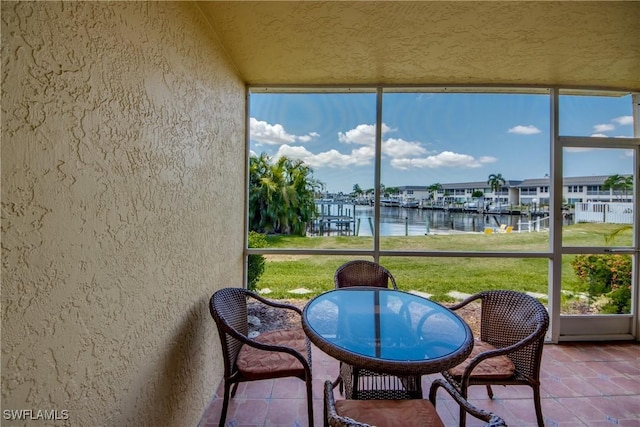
{"x":585,"y":44}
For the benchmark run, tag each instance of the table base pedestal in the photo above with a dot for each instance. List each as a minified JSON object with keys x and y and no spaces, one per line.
{"x":360,"y":383}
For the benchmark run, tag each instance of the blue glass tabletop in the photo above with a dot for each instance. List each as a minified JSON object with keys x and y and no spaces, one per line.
{"x":386,"y":325}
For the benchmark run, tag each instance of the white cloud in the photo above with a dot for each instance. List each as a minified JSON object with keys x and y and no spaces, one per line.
{"x":524,"y":130}
{"x":362,"y":134}
{"x":487,"y":159}
{"x":403,"y":154}
{"x":393,"y":147}
{"x":399,"y":148}
{"x":309,"y":137}
{"x":446,"y":159}
{"x":265,"y":133}
{"x":623,"y":120}
{"x":605,"y":127}
{"x":404,"y":164}
{"x":332,"y":158}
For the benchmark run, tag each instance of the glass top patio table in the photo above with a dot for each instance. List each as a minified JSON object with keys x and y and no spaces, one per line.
{"x":387,"y":331}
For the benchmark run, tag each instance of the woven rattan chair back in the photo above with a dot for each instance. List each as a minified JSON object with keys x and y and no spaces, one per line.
{"x":517,"y":323}
{"x":363,"y":273}
{"x":509,"y":318}
{"x":229,"y":309}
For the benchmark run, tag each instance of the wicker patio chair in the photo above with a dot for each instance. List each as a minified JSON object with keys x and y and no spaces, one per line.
{"x":370,"y":384}
{"x":273,"y":354}
{"x":509,"y":350}
{"x":363,"y":273}
{"x":400,"y":413}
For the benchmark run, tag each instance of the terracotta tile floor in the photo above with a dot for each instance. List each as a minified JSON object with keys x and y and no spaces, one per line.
{"x":583,"y":384}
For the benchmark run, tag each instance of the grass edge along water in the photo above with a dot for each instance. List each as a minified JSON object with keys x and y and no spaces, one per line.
{"x":438,"y":277}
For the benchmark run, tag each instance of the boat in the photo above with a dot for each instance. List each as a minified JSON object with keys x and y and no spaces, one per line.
{"x":391,"y":202}
{"x":410,"y":202}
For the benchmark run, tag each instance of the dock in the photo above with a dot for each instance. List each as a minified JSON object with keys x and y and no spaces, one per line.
{"x":334,"y":218}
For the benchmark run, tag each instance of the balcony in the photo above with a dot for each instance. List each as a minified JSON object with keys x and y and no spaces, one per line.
{"x":583,"y":384}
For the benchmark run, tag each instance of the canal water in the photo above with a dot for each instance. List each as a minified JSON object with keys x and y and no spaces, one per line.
{"x":398,"y":221}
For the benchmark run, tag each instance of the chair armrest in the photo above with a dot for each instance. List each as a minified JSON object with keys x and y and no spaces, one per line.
{"x":275,"y":303}
{"x":331,"y":417}
{"x":492,"y":419}
{"x":393,"y":282}
{"x":464,"y":302}
{"x":501,"y":351}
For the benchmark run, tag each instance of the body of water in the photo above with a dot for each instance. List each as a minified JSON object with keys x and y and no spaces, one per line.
{"x":397,"y":221}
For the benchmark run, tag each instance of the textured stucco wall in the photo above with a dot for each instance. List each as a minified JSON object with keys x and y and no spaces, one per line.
{"x":122,"y":184}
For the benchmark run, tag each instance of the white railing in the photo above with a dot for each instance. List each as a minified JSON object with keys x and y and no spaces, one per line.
{"x":538,"y":224}
{"x":611,"y":213}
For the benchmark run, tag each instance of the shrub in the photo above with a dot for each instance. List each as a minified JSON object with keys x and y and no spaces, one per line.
{"x":255,"y":266}
{"x":608,"y":277}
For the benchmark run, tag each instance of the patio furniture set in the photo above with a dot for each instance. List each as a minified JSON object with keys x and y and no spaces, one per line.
{"x":386,"y":340}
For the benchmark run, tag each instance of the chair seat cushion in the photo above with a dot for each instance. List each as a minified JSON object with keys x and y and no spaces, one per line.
{"x":254,"y":363}
{"x":386,"y":413}
{"x":499,"y":367}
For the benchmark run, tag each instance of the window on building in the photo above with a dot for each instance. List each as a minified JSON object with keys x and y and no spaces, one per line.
{"x":593,"y":190}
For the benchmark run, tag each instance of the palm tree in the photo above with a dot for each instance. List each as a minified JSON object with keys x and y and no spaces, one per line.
{"x":434,"y":188}
{"x":261,"y":188}
{"x":496,"y":181}
{"x":391,"y":190}
{"x":357,"y":191}
{"x":618,"y":182}
{"x":281,"y":195}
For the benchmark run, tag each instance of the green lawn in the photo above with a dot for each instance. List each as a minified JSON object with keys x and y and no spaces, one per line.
{"x":435,"y":275}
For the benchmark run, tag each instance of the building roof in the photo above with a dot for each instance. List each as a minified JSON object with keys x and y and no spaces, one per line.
{"x":573,"y":180}
{"x":529,"y":182}
{"x":460,"y":185}
{"x":479,"y":184}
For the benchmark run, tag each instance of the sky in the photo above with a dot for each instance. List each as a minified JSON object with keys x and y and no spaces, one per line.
{"x":430,"y":138}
